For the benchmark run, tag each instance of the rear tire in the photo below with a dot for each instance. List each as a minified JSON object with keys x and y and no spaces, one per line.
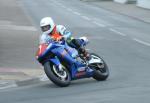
{"x":101,"y":71}
{"x":56,"y":79}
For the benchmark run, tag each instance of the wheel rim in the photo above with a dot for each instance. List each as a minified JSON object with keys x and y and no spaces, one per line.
{"x":99,"y":66}
{"x":60,"y":74}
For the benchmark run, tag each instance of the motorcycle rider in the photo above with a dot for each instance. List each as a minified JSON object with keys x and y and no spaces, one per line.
{"x":52,"y":31}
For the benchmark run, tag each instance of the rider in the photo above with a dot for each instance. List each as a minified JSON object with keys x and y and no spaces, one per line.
{"x":51,"y":31}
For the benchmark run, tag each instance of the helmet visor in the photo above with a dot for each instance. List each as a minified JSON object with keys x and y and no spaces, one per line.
{"x":45,"y":28}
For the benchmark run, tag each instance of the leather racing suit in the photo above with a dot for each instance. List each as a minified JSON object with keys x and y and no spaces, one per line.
{"x":59,"y":30}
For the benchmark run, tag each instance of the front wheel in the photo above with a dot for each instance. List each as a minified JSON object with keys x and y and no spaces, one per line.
{"x":101,"y":71}
{"x":60,"y":78}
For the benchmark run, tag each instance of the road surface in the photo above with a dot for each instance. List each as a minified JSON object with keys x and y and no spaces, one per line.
{"x":122,"y":41}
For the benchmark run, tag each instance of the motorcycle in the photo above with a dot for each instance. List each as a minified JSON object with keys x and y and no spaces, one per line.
{"x":62,"y":64}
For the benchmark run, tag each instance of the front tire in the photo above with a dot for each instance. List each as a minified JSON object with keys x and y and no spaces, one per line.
{"x":101,"y":71}
{"x":61,"y":80}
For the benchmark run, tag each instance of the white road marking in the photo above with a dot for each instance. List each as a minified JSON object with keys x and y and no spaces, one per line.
{"x":58,"y":3}
{"x":85,"y":17}
{"x":113,"y":30}
{"x":102,"y":21}
{"x":69,"y":9}
{"x":63,"y":6}
{"x":5,"y":22}
{"x":77,"y":13}
{"x":141,"y":42}
{"x":5,"y":85}
{"x":101,"y":25}
{"x":18,"y":27}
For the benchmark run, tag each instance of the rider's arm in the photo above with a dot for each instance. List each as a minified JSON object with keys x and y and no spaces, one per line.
{"x":64,"y":32}
{"x":75,"y":43}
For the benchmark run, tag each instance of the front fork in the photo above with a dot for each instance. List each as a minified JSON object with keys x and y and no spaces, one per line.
{"x":57,"y":63}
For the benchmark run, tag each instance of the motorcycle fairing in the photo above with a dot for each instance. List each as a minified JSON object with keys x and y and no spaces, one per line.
{"x":95,"y":59}
{"x":41,"y":50}
{"x":55,"y":61}
{"x":65,"y":53}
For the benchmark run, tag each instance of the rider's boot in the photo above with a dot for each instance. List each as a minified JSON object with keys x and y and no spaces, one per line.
{"x":77,"y":44}
{"x":86,"y":55}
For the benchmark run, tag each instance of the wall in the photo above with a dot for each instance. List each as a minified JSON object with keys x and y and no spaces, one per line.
{"x":143,"y":3}
{"x":124,"y":1}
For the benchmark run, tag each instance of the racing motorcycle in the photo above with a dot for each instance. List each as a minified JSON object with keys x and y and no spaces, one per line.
{"x":62,"y":64}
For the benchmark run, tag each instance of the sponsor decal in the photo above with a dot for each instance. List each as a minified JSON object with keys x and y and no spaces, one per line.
{"x":41,"y":49}
{"x":80,"y":74}
{"x":80,"y":69}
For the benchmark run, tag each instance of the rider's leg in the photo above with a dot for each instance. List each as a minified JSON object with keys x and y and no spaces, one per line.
{"x":79,"y":45}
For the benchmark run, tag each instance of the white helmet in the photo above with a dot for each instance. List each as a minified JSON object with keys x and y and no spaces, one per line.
{"x":47,"y":25}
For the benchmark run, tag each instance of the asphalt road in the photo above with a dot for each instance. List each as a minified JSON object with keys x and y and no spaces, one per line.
{"x":18,"y":37}
{"x":122,"y":41}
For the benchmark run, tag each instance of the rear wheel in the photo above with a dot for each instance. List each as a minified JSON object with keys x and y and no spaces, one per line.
{"x":59,"y":77}
{"x":101,"y":71}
